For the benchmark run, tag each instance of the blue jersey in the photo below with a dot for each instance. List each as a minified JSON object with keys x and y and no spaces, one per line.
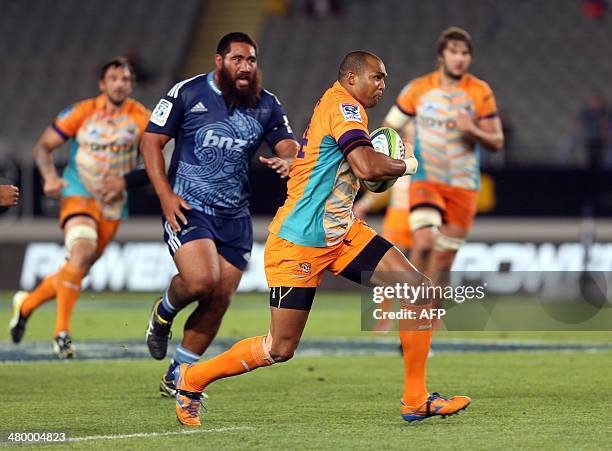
{"x":213,"y":145}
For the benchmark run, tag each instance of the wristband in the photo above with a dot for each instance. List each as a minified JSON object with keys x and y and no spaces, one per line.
{"x":411,"y":165}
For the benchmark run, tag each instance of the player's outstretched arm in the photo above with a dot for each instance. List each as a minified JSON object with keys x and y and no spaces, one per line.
{"x":49,"y":141}
{"x":9,"y":195}
{"x":367,"y":164}
{"x":151,"y":147}
{"x":487,"y":132}
{"x":285,"y":151}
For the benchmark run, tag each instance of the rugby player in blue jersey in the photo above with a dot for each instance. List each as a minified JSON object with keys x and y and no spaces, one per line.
{"x":218,"y":120}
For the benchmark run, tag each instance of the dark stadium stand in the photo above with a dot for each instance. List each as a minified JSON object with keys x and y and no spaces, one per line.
{"x":542,"y":60}
{"x":53,"y":50}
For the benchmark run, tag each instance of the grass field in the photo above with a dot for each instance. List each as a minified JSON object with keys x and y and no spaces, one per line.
{"x":544,"y":400}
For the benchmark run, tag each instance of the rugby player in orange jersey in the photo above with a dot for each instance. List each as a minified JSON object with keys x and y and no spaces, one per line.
{"x":450,"y":114}
{"x":105,"y":133}
{"x":315,"y":230}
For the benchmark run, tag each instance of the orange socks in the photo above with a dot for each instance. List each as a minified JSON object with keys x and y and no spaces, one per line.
{"x":415,"y":344}
{"x":68,"y":291}
{"x":246,"y":355}
{"x":44,"y":292}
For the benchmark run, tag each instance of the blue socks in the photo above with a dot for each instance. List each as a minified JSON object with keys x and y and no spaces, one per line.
{"x":180,"y":356}
{"x":165,"y":310}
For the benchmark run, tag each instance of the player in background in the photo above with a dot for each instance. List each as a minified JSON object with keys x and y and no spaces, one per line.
{"x":9,"y":195}
{"x":396,"y":222}
{"x":316,"y":230}
{"x":218,"y":121}
{"x":395,"y":227}
{"x":105,"y":132}
{"x":451,"y":114}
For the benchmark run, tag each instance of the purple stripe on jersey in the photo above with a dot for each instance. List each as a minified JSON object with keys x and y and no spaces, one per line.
{"x":351,"y":136}
{"x":352,"y":145}
{"x":59,"y":131}
{"x":353,"y":139}
{"x":489,"y":116}
{"x":403,"y":110}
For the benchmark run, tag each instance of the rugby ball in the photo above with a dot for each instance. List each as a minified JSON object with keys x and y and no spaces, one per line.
{"x":388,"y":141}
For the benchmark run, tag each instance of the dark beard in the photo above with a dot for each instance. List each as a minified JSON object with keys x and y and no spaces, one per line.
{"x":451,"y":75}
{"x":235,"y":98}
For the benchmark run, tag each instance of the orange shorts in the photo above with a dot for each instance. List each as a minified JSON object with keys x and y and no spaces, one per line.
{"x":457,"y":205}
{"x":88,"y":206}
{"x":290,"y":265}
{"x":396,"y":227}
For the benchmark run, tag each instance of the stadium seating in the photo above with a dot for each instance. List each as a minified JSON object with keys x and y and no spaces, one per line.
{"x":542,"y":58}
{"x":55,"y":48}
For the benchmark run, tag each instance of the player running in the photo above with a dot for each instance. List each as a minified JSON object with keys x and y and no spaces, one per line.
{"x":314,"y":231}
{"x":218,"y":121}
{"x":105,"y":132}
{"x":452,"y":114}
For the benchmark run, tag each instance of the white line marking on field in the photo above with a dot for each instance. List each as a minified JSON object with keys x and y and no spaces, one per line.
{"x":157,"y":434}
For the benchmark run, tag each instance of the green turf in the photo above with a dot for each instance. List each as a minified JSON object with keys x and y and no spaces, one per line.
{"x":124,"y":316}
{"x":521,"y":401}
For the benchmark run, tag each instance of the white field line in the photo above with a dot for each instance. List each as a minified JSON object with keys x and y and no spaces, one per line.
{"x":157,"y":434}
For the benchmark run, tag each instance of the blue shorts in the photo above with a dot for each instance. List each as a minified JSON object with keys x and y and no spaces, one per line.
{"x":233,"y":237}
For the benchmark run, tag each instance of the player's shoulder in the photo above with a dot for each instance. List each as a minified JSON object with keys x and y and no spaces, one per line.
{"x":187,"y":85}
{"x":419,"y":84}
{"x":81,"y":107}
{"x":477,"y":84}
{"x":267,"y":96}
{"x":136,"y":107}
{"x":336,"y":95}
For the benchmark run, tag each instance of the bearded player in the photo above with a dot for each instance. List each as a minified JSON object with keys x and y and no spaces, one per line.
{"x":218,"y":120}
{"x":315,"y":230}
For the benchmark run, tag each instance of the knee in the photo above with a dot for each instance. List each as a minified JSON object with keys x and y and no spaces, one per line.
{"x":202,"y":285}
{"x":82,"y":255}
{"x":424,"y":244}
{"x":282,"y":352}
{"x":444,"y":261}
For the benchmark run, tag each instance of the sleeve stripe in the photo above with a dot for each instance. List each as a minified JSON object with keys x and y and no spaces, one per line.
{"x":489,"y":116}
{"x":404,"y":111}
{"x":352,"y":134}
{"x":174,"y":91}
{"x":59,"y":131}
{"x":352,"y":145}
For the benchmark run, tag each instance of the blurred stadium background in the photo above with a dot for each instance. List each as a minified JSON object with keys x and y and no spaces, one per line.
{"x":546,"y":202}
{"x":546,"y":61}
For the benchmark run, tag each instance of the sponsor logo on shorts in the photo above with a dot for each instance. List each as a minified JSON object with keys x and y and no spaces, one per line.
{"x":351,"y":112}
{"x":305,"y":267}
{"x":187,"y":230}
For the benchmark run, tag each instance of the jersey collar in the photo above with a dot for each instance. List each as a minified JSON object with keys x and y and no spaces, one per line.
{"x":337,"y":86}
{"x":210,"y":78}
{"x":100,"y":104}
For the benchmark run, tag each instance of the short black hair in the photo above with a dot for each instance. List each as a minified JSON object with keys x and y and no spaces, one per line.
{"x":354,"y":62}
{"x":118,"y":61}
{"x":454,"y":34}
{"x":223,"y":47}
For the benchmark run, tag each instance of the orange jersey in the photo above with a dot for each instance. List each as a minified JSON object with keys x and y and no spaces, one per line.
{"x":318,"y":211}
{"x":444,"y":155}
{"x":103,"y":145}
